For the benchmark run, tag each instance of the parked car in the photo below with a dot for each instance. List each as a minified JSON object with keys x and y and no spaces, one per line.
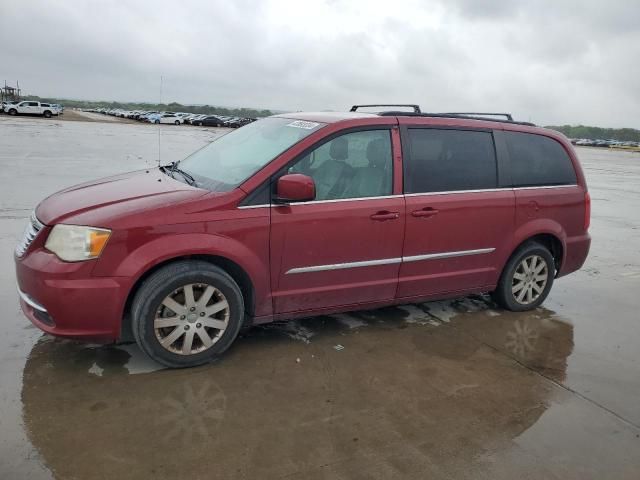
{"x":146,"y":117}
{"x":163,"y":117}
{"x":209,"y":121}
{"x":140,"y":115}
{"x":6,"y":105}
{"x":168,"y":118}
{"x":304,"y":214}
{"x":29,"y":107}
{"x":238,"y":122}
{"x":194,"y":118}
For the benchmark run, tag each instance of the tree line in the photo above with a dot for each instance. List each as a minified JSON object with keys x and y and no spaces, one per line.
{"x":161,"y":107}
{"x":598,"y":133}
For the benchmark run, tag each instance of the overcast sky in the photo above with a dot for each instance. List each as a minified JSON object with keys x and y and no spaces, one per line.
{"x":545,"y":61}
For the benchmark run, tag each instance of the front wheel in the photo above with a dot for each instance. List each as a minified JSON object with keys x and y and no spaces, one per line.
{"x":47,"y":114}
{"x":13,"y":111}
{"x":526,"y":279}
{"x":177,"y":122}
{"x":156,"y":122}
{"x":187,"y":314}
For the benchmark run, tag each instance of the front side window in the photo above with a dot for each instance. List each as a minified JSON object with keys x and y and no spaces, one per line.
{"x":449,"y":160}
{"x":231,"y":159}
{"x":353,"y":165}
{"x":537,"y":160}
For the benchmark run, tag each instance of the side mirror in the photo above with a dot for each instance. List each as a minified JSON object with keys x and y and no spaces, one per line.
{"x":295,"y":187}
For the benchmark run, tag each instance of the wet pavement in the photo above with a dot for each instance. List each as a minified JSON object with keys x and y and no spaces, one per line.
{"x":452,"y":389}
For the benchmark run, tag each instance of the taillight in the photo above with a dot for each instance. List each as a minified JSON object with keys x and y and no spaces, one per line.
{"x":587,"y":211}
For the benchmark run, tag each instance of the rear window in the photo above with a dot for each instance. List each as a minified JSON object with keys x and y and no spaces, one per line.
{"x":450,"y":160}
{"x":537,"y":160}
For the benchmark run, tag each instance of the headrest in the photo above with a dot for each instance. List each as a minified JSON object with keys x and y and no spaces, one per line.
{"x":339,"y":149}
{"x":378,"y":154}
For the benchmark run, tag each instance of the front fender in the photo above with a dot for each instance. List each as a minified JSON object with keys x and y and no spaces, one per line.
{"x":167,"y":247}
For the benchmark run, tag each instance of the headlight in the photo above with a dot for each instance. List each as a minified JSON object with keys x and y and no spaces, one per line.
{"x":73,"y":243}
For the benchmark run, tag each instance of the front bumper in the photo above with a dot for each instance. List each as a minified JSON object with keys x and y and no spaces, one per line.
{"x":64,"y":300}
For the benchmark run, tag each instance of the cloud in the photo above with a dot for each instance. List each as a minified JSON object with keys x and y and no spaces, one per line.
{"x":551,"y":62}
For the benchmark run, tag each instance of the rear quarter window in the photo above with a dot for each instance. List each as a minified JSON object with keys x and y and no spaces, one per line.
{"x":537,"y":160}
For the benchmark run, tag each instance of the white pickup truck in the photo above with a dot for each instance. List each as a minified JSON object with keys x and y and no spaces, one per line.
{"x":29,"y":107}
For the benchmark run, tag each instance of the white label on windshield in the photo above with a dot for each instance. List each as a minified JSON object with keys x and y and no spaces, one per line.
{"x":303,"y":124}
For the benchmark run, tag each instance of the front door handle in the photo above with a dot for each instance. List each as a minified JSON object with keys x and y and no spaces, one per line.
{"x":425,"y":212}
{"x":385,"y":215}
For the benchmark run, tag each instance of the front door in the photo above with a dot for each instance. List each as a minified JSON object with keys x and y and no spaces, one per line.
{"x":459,"y":219}
{"x":345,"y":247}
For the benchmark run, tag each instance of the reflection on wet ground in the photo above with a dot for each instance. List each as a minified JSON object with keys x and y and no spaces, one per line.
{"x":423,"y":388}
{"x":452,"y":389}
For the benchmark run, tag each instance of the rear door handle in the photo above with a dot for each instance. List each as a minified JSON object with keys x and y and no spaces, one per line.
{"x":425,"y":212}
{"x":385,"y":215}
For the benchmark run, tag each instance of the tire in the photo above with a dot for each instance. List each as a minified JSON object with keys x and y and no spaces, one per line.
{"x":13,"y":111}
{"x":177,"y":122}
{"x":199,"y":124}
{"x":156,"y":122}
{"x":47,"y":114}
{"x":519,"y":276}
{"x":148,"y":308}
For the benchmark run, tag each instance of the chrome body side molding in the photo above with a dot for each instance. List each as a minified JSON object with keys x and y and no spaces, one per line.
{"x":389,"y":261}
{"x":341,"y":266}
{"x":436,"y":256}
{"x":30,"y":301}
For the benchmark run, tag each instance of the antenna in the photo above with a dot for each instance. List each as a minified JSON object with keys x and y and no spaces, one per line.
{"x":159,"y":149}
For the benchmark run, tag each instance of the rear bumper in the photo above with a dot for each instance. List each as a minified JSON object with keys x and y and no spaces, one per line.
{"x":64,"y":300}
{"x":576,"y":252}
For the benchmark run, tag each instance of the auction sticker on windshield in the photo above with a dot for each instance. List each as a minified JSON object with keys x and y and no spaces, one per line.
{"x":303,"y":124}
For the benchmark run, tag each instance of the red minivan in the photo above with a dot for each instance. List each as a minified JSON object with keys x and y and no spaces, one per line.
{"x":303,"y":214}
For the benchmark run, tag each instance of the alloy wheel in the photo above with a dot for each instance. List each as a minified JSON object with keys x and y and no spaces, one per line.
{"x":529,"y":279}
{"x":191,"y":319}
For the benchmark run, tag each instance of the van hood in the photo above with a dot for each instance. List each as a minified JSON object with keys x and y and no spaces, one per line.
{"x":99,"y":202}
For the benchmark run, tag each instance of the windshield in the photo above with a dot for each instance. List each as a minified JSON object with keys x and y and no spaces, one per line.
{"x":231,"y":159}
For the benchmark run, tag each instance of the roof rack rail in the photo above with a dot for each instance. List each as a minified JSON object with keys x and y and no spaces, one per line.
{"x":477,"y":114}
{"x":416,"y":108}
{"x":465,"y":116}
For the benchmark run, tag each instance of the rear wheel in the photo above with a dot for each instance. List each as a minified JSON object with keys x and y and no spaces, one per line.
{"x":187,"y":314}
{"x":526,"y":279}
{"x":156,"y":121}
{"x":177,"y":122}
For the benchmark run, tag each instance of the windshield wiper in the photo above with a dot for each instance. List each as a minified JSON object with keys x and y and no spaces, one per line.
{"x":173,"y":168}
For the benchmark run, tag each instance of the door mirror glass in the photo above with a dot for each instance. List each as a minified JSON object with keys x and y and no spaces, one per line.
{"x":295,"y":187}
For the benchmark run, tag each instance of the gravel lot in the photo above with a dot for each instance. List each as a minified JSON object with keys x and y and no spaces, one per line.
{"x":454,"y":389}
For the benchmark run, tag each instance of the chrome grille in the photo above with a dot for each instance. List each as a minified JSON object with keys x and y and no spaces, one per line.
{"x":30,"y":233}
